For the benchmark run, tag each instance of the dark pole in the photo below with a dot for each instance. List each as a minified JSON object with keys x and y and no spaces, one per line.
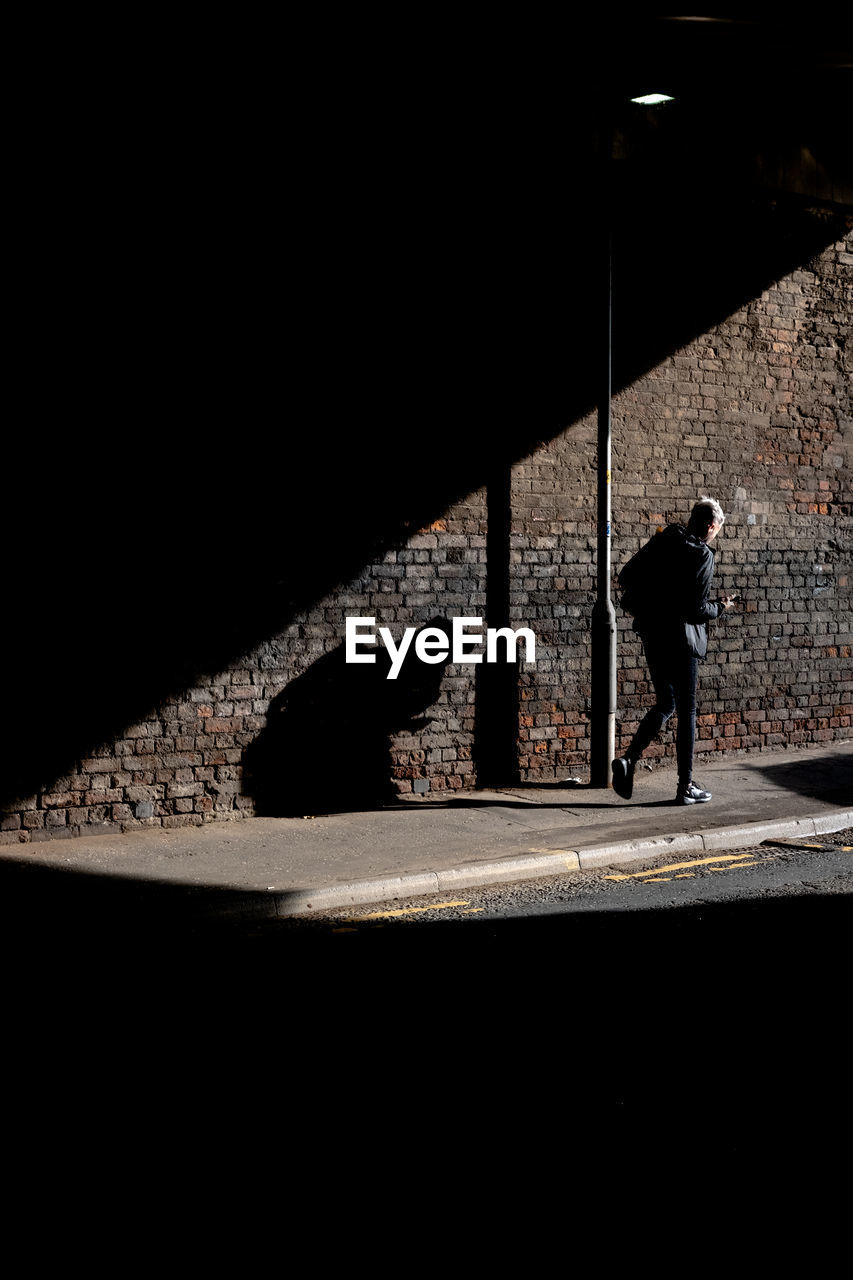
{"x":603,"y":709}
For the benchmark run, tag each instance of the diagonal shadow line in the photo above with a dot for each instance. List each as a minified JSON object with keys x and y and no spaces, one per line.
{"x":79,"y":678}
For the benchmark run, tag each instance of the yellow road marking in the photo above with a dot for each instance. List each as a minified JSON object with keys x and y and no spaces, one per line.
{"x":679,"y":866}
{"x":407,"y":911}
{"x":685,"y":875}
{"x":739,"y":864}
{"x":658,"y":880}
{"x":471,"y":911}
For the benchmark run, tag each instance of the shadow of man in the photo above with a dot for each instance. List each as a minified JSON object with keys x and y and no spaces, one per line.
{"x":326,"y":744}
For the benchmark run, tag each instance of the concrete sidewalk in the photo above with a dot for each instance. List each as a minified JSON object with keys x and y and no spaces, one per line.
{"x":447,"y":842}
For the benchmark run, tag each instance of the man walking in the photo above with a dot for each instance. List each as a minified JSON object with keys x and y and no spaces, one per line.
{"x":665,"y":586}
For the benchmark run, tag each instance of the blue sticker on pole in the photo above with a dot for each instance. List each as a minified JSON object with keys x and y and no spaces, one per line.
{"x":608,"y":528}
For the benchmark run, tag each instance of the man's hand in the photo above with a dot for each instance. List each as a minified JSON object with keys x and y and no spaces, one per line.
{"x":729,"y":602}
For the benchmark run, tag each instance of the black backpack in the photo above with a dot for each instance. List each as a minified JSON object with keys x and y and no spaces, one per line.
{"x":634,"y":578}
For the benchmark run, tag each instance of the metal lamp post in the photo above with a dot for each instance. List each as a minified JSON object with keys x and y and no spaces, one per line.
{"x":603,"y":708}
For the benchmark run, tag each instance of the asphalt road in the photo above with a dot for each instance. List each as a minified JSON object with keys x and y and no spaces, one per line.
{"x":747,"y":949}
{"x":773,"y":870}
{"x":720,"y":979}
{"x":691,"y":1014}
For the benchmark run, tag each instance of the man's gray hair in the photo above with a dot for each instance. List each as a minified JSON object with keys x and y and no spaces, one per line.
{"x":706,"y":512}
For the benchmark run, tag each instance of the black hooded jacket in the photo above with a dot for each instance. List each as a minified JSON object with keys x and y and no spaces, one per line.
{"x":665,"y":586}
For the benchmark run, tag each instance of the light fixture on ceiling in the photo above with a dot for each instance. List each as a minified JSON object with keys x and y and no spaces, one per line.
{"x":653,"y":99}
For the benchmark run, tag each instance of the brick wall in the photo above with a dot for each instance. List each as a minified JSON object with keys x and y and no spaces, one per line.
{"x":756,"y":411}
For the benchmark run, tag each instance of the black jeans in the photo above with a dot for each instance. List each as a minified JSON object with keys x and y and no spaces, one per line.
{"x":674,"y":675}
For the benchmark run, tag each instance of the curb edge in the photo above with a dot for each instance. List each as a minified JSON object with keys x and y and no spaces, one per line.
{"x":536,"y":866}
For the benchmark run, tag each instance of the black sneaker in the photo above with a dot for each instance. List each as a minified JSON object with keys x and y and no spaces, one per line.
{"x":623,"y":777}
{"x":691,"y":794}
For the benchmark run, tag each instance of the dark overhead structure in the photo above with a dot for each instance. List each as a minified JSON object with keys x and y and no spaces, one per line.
{"x":416,"y":309}
{"x":762,"y":104}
